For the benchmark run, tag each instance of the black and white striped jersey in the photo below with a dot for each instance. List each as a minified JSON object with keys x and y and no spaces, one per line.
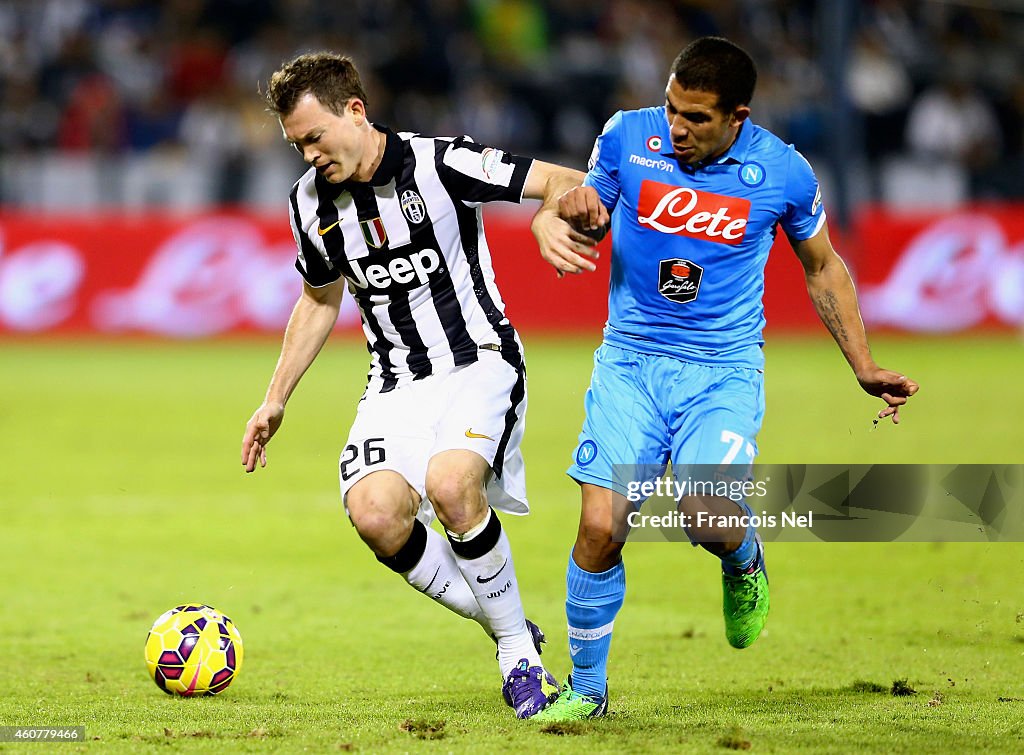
{"x":410,"y":243}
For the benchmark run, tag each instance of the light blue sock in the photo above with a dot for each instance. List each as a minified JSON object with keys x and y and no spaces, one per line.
{"x":592,"y":600}
{"x":746,"y":555}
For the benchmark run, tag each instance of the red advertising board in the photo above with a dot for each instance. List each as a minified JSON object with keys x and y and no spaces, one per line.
{"x":942,"y":272}
{"x":222,"y":272}
{"x":232,"y":271}
{"x":161,"y":274}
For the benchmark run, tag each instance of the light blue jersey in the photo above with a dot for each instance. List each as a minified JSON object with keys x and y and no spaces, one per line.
{"x":679,"y":375}
{"x":689,"y":245}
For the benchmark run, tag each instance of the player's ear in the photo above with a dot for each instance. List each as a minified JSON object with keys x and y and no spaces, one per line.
{"x":358,"y":108}
{"x":740,"y":114}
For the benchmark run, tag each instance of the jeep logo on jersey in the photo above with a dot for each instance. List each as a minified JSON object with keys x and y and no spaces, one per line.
{"x":679,"y":280}
{"x":683,"y":211}
{"x":412,"y":206}
{"x":403,"y":272}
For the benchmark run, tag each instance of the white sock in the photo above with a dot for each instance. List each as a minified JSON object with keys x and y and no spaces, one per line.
{"x":427,"y":563}
{"x":485,"y":558}
{"x":438,"y":576}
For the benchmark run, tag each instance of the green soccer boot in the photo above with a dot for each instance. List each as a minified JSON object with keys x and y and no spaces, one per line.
{"x":573,"y":706}
{"x":745,"y":603}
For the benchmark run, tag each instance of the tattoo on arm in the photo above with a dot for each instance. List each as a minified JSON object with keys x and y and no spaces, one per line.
{"x":828,"y":308}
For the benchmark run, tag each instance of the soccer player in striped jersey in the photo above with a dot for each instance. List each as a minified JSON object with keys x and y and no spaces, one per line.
{"x":696,"y":193}
{"x":396,"y":218}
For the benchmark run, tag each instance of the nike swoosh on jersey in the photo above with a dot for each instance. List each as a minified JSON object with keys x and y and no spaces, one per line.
{"x":485,"y":580}
{"x":471,"y":434}
{"x":322,"y":231}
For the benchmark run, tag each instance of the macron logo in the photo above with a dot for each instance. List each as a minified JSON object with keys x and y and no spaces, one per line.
{"x":650,"y":162}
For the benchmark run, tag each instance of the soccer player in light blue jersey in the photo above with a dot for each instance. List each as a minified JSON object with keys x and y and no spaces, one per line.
{"x":695,"y":193}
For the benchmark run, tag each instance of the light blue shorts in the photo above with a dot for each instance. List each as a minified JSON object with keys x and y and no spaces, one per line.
{"x":644,"y":410}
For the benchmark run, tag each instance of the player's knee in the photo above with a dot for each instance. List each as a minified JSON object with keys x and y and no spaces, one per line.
{"x":457,"y":496}
{"x":596,"y":548}
{"x":381,"y":516}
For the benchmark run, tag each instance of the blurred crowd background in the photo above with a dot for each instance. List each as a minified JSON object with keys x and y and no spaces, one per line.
{"x":136,"y":103}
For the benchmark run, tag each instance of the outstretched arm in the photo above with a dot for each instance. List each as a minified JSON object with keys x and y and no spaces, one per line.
{"x":561,"y":245}
{"x":832,"y":292}
{"x":310,"y":324}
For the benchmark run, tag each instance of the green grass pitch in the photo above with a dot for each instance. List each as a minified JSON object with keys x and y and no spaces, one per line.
{"x":121,"y":495}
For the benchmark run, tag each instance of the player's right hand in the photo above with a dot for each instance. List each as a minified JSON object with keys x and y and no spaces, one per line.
{"x":258,"y":432}
{"x":562,"y":246}
{"x":582,"y":208}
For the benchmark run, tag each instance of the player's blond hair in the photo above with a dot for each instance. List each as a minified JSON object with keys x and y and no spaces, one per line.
{"x":331,"y":78}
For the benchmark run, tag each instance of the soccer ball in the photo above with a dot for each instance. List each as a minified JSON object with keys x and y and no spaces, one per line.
{"x":193,"y":650}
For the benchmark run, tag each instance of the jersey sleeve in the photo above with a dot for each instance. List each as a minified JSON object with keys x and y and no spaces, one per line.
{"x":476,"y":173}
{"x":804,"y":214}
{"x":603,"y":168}
{"x":311,"y":261}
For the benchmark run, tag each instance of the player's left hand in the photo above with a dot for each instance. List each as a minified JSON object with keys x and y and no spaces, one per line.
{"x":563,"y":247}
{"x":892,"y":387}
{"x":258,"y":432}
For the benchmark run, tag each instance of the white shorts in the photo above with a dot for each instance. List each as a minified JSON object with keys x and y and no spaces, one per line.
{"x":478,"y":407}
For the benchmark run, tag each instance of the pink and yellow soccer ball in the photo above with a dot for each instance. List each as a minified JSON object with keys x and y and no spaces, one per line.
{"x":193,"y":650}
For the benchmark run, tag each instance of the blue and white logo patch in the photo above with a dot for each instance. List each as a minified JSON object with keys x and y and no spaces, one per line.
{"x":752,"y":174}
{"x":586,"y":453}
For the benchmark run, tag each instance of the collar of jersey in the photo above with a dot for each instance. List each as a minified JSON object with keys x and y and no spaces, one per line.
{"x":390,"y":162}
{"x":737,"y":153}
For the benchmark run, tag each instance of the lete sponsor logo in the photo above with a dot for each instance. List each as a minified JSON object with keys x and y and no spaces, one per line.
{"x":683,"y":211}
{"x":38,"y":284}
{"x":214,"y":275}
{"x":953,"y":275}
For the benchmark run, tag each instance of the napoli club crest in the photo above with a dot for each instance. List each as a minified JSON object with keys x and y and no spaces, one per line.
{"x":586,"y":453}
{"x":679,"y":280}
{"x":751,"y":174}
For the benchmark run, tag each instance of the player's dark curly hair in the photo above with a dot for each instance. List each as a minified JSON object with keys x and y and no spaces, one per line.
{"x":331,"y":78}
{"x":714,"y":64}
